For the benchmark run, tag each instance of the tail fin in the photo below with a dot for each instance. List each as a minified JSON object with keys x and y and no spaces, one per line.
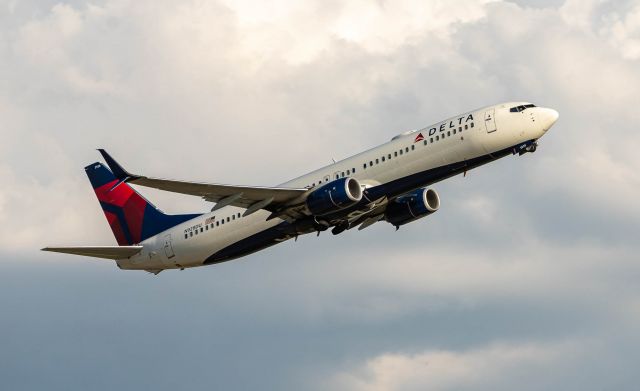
{"x":132,"y":218}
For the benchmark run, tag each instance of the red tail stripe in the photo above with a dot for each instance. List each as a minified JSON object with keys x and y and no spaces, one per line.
{"x":116,"y":228}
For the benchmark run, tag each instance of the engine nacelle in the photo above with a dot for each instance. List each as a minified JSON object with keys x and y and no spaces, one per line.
{"x":412,"y":206}
{"x":334,"y":196}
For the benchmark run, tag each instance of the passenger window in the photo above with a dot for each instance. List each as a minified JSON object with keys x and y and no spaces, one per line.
{"x":401,"y":152}
{"x":186,"y":236}
{"x":389,"y":156}
{"x":406,"y":149}
{"x":448,"y":133}
{"x":472,"y":124}
{"x":201,"y":230}
{"x":413,"y":147}
{"x":431,"y":140}
{"x":206,"y":227}
{"x":454,"y":131}
{"x":196,"y":231}
{"x":466,"y":126}
{"x":217,"y":223}
{"x":437,"y":138}
{"x":353,"y":170}
{"x":395,"y":154}
{"x":228,"y":219}
{"x":460,"y":129}
{"x":383,"y":158}
{"x":364,"y":165}
{"x":222,"y":221}
{"x":348,"y":172}
{"x":370,"y":163}
{"x":233,"y":217}
{"x":425,"y":142}
{"x":191,"y":234}
{"x":377,"y":161}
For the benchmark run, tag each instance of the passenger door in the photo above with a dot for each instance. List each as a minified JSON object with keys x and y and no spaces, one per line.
{"x":168,"y":248}
{"x":490,"y":120}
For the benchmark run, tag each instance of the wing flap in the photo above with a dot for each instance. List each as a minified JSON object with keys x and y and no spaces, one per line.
{"x":106,"y":252}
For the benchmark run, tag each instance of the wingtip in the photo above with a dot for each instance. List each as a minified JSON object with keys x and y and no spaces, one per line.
{"x":115,"y":167}
{"x":104,"y":154}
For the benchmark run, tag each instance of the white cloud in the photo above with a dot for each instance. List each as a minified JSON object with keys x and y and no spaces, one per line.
{"x":302,"y":34}
{"x":48,"y":45}
{"x":494,"y":367}
{"x":579,"y":13}
{"x":149,"y":78}
{"x":255,"y":93}
{"x":624,"y":32}
{"x":616,"y":21}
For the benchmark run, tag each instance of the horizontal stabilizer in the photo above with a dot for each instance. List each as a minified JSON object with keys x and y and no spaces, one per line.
{"x":106,"y":252}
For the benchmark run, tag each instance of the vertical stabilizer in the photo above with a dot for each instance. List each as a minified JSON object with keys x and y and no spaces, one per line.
{"x":132,"y":218}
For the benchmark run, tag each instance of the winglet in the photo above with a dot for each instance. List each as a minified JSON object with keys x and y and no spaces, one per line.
{"x":116,"y":168}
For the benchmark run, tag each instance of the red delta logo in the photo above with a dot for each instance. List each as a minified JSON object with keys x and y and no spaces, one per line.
{"x":419,"y":137}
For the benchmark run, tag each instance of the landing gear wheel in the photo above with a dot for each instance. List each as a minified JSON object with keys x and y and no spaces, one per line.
{"x":532,"y":148}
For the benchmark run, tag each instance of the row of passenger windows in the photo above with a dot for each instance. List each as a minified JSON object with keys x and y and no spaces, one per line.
{"x":338,"y":175}
{"x":400,"y":152}
{"x":212,"y":225}
{"x":397,"y":153}
{"x":388,"y":157}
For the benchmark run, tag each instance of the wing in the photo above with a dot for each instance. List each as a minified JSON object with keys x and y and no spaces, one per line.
{"x":106,"y":252}
{"x":253,"y":198}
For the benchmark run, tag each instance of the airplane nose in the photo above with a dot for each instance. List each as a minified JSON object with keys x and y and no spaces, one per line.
{"x":549,"y":117}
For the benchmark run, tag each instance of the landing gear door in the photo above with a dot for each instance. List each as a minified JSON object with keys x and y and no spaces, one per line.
{"x":490,"y":120}
{"x":168,"y":248}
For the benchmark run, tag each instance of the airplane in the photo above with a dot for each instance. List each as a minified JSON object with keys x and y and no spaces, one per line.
{"x":390,"y":183}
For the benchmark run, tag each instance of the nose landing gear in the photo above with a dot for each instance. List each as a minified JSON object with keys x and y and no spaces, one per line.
{"x":529,"y":146}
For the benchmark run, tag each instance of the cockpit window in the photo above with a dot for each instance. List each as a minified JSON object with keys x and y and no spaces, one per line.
{"x":518,"y":109}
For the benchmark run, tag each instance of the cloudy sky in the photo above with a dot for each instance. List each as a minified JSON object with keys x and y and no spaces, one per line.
{"x":527,"y":278}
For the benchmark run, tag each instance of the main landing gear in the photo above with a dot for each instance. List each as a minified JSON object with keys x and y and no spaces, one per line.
{"x":340,"y":228}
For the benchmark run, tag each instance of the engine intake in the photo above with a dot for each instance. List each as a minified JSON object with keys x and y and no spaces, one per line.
{"x":412,"y":206}
{"x":334,"y":196}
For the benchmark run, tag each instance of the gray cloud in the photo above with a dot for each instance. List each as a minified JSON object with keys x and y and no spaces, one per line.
{"x":527,"y":274}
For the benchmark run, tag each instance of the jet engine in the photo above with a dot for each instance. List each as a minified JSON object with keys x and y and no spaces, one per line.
{"x":412,"y":206}
{"x":334,"y":196}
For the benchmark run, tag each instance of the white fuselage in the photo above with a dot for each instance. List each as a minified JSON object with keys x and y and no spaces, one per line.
{"x":458,"y":139}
